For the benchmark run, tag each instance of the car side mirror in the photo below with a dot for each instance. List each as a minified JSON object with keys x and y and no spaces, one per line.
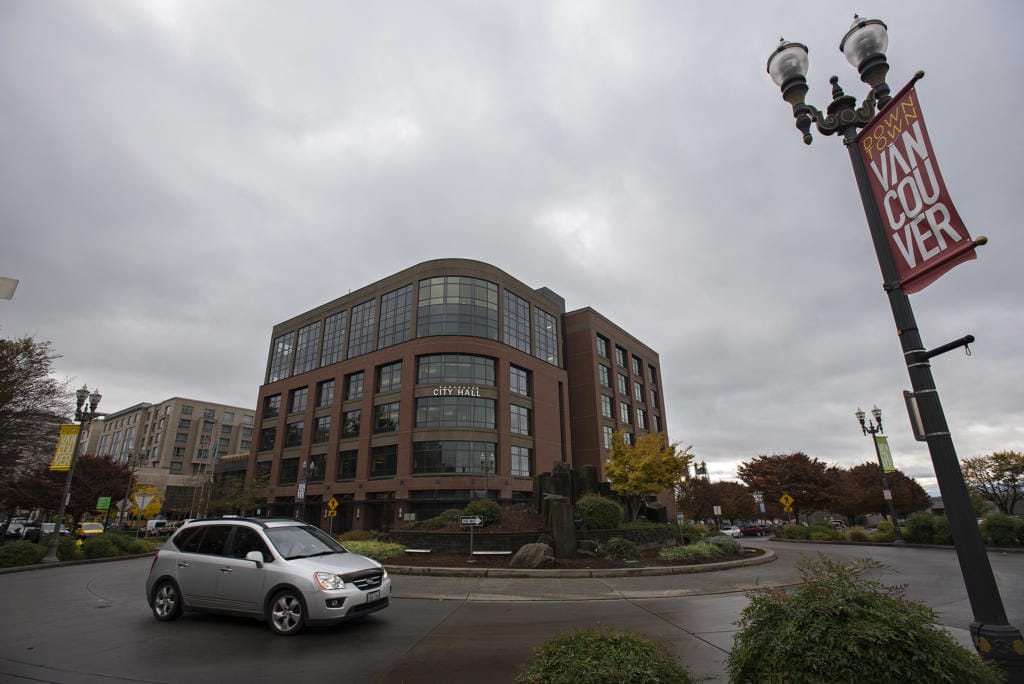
{"x":256,"y":557}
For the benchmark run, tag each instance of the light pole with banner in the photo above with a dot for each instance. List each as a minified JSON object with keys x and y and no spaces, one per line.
{"x":82,"y":416}
{"x":873,"y":427}
{"x":918,"y":236}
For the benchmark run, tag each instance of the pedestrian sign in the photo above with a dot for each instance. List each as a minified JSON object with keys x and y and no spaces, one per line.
{"x":332,"y":504}
{"x":786,"y":500}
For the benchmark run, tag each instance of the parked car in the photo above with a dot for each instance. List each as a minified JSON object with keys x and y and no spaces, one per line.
{"x":88,"y":529}
{"x":756,"y":530}
{"x":47,"y":528}
{"x":15,"y":528}
{"x":286,"y":572}
{"x":732,"y":531}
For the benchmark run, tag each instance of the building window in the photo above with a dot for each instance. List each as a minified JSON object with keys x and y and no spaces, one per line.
{"x":604,"y":375}
{"x":178,"y":453}
{"x":244,"y":444}
{"x":657,"y":423}
{"x":638,"y":391}
{"x":606,"y":432}
{"x":519,"y":381}
{"x":281,"y":357}
{"x":460,"y":369}
{"x":517,"y":322}
{"x":360,"y":340}
{"x":316,"y":465}
{"x":395,"y":317}
{"x":321,"y":429}
{"x":638,"y":366}
{"x":522,"y":460}
{"x":293,"y":434}
{"x":325,"y":393}
{"x":272,"y":406}
{"x":454,"y":411}
{"x":184,"y":423}
{"x":520,"y":420}
{"x":389,"y":377}
{"x":606,"y":406}
{"x":180,"y":437}
{"x":602,"y":346}
{"x":623,"y":384}
{"x":229,"y":417}
{"x":209,"y":413}
{"x":247,"y":420}
{"x":652,"y":374}
{"x":385,"y":417}
{"x":208,"y":427}
{"x":456,"y":305}
{"x":620,"y":356}
{"x":350,"y":424}
{"x":186,"y":410}
{"x":298,"y":399}
{"x":354,"y":386}
{"x":641,"y":419}
{"x":305,"y":348}
{"x":289,"y":473}
{"x":226,"y":430}
{"x":654,"y":399}
{"x":383,"y":461}
{"x":347,"y":464}
{"x":333,"y":349}
{"x":545,"y":330}
{"x":452,"y":456}
{"x":175,"y":467}
{"x":625,"y":413}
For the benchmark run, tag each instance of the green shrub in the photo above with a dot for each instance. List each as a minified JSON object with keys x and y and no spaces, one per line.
{"x":602,"y":656}
{"x":884,"y":532}
{"x":621,"y":548}
{"x":819,"y":532}
{"x":818,"y":535}
{"x":17,"y":553}
{"x":864,"y":631}
{"x":796,"y":532}
{"x":690,"y":553}
{"x":919,"y":528}
{"x":1001,"y":530}
{"x":725,"y":543}
{"x":377,"y":550}
{"x":942,"y":533}
{"x":99,"y":546}
{"x":68,"y":549}
{"x":857,"y":534}
{"x":487,"y":509}
{"x":694,"y":532}
{"x":596,"y":512}
{"x":354,"y":535}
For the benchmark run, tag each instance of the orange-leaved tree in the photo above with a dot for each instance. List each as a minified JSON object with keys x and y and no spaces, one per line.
{"x":646,"y":468}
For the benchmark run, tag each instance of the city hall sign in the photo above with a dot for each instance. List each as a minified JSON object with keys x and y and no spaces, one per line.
{"x":456,"y":391}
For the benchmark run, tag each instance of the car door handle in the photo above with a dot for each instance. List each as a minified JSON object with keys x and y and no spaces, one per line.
{"x":225,"y":570}
{"x":182,"y":564}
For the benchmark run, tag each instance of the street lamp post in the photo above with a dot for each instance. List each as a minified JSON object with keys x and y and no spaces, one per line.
{"x":874,"y":428}
{"x":864,"y":46}
{"x":82,"y":416}
{"x":485,"y":466}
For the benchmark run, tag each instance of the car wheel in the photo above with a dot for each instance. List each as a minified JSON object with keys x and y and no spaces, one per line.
{"x":287,"y":614}
{"x":166,"y":601}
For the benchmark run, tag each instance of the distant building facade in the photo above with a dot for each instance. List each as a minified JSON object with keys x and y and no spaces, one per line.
{"x":172,"y":445}
{"x":448,"y":381}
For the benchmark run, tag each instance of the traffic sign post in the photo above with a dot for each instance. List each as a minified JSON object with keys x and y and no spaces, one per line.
{"x":471,"y":521}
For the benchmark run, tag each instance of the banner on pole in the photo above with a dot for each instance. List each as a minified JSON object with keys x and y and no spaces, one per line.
{"x":884,"y":455}
{"x":926,"y":235}
{"x":65,"y":448}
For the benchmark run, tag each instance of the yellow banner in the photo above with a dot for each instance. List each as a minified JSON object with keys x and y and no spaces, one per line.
{"x":65,"y":448}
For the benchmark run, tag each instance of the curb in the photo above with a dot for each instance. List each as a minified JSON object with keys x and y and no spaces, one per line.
{"x":581,"y":573}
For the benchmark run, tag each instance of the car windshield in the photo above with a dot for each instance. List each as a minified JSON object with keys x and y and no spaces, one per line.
{"x":92,"y":526}
{"x":302,"y":542}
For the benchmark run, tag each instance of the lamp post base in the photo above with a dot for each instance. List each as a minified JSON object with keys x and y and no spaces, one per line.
{"x":1002,"y":644}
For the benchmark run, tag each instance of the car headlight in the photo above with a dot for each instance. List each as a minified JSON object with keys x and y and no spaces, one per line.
{"x":328,"y":580}
{"x":385,"y":576}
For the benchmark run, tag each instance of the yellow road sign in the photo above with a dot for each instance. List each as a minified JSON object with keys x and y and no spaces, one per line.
{"x":332,"y":514}
{"x":786,"y":500}
{"x":332,"y":504}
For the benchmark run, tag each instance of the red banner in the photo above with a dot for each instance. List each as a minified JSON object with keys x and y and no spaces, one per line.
{"x":926,"y":234}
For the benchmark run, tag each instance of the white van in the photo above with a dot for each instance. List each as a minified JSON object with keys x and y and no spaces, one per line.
{"x":155,"y":527}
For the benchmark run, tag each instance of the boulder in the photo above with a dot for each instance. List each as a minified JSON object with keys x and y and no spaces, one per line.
{"x":533,"y":556}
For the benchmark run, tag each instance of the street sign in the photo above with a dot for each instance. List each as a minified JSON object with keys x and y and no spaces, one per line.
{"x":332,"y":505}
{"x":471,"y":521}
{"x":786,"y":500}
{"x":717,"y":509}
{"x":142,"y":500}
{"x":331,"y":514}
{"x":788,"y":509}
{"x":300,"y":495}
{"x":103,"y":503}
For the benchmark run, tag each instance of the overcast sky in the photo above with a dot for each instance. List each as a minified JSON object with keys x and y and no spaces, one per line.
{"x":177,"y":177}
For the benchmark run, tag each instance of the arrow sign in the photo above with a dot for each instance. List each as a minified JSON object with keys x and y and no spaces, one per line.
{"x":471,"y":521}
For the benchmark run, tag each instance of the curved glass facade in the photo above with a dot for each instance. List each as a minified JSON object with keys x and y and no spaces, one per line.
{"x":467,"y":412}
{"x":463,"y":369}
{"x":452,"y":457}
{"x":457,"y":305}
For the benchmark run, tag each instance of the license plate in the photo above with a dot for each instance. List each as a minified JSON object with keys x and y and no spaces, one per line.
{"x":372,"y":596}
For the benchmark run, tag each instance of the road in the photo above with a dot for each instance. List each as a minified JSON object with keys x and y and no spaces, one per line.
{"x":90,"y":623}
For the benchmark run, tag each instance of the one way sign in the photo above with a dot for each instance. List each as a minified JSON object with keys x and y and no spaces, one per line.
{"x":471,"y":521}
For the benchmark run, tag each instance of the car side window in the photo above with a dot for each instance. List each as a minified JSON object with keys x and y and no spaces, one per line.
{"x":214,"y":540}
{"x":246,"y":540}
{"x":189,"y":540}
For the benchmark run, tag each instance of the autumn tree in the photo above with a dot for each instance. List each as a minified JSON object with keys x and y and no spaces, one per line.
{"x":998,"y":477}
{"x":861,"y":492}
{"x":647,"y":468}
{"x":735,"y":499}
{"x":32,"y":406}
{"x":812,"y":484}
{"x":694,"y":498}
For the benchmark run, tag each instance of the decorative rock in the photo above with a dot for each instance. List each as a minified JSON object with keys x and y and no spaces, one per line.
{"x":534,"y":556}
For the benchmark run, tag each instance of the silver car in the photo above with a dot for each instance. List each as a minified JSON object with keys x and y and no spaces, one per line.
{"x":286,"y":572}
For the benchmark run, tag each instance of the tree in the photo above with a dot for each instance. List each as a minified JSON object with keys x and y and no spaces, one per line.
{"x":32,"y":405}
{"x":998,"y":477}
{"x":861,"y":492}
{"x":811,"y":483}
{"x":695,"y":498}
{"x":236,"y":496}
{"x":735,"y":499}
{"x":646,"y":469}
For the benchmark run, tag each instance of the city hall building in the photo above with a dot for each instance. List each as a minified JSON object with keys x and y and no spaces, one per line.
{"x":445,"y":382}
